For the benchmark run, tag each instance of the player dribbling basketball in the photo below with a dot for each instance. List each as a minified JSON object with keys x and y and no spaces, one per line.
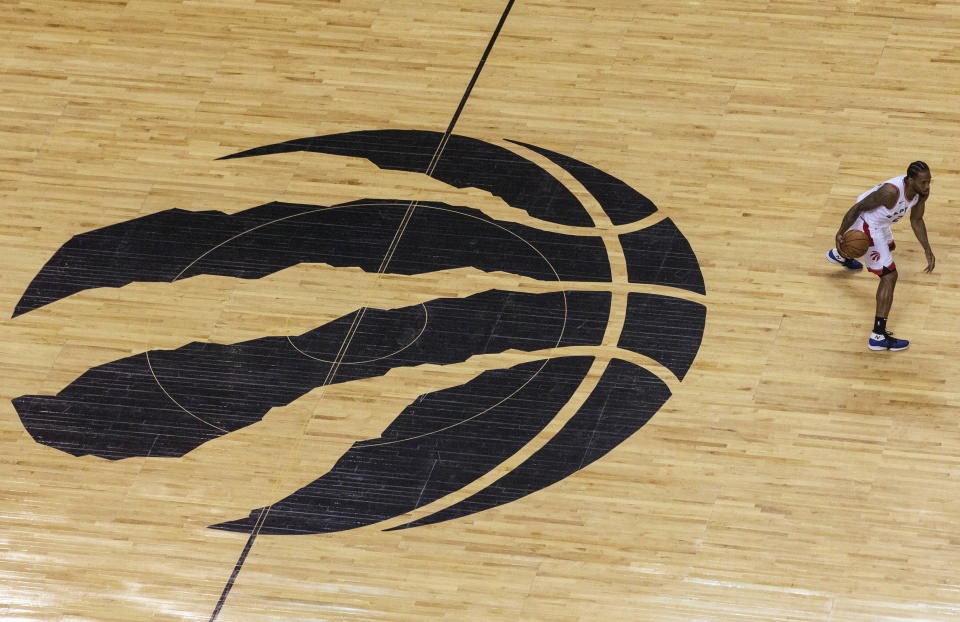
{"x":873,"y":213}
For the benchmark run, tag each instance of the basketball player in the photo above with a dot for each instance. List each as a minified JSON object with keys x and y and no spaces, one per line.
{"x":873,"y":213}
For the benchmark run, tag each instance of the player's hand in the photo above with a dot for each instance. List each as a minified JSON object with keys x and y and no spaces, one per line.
{"x":839,"y":240}
{"x":931,"y":262}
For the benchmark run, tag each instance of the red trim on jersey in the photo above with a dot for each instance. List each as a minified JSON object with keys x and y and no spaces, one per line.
{"x":866,"y":229}
{"x":885,"y":270}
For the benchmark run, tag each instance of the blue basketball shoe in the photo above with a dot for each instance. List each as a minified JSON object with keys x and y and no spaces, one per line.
{"x":886,"y":341}
{"x":850,"y":264}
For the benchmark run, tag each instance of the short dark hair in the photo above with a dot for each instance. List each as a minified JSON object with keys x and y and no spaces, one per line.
{"x":916,"y":168}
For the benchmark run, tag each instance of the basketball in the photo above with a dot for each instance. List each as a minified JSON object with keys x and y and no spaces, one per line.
{"x":854,"y":243}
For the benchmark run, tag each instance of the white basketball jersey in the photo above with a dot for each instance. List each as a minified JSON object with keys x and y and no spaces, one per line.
{"x":884,"y":216}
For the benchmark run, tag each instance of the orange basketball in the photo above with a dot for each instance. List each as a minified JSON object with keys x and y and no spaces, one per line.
{"x":854,"y":243}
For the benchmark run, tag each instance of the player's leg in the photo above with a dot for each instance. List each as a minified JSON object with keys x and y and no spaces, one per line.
{"x":888,"y":282}
{"x":880,"y":262}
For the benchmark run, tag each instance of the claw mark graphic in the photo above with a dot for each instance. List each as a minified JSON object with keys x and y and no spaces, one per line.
{"x":165,"y":403}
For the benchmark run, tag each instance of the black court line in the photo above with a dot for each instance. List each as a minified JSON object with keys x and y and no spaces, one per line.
{"x":431,"y":167}
{"x":466,"y":93}
{"x":239,"y":564}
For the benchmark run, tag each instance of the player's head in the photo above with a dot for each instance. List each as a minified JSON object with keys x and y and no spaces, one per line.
{"x":918,"y":175}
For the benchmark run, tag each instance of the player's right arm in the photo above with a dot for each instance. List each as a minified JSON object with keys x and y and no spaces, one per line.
{"x":884,"y":196}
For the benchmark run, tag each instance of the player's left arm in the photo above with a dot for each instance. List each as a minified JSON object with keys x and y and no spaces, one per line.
{"x":920,"y":230}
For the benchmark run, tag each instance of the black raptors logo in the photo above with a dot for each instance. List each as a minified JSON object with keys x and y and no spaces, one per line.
{"x":164,"y":403}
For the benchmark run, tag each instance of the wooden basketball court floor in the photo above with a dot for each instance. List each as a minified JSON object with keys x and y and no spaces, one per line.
{"x":791,"y":475}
